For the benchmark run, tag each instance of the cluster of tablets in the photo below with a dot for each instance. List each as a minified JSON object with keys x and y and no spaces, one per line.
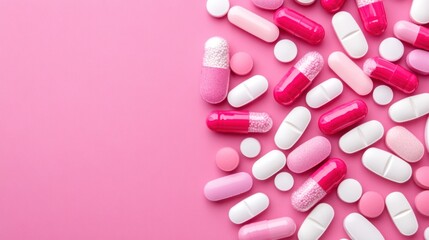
{"x":393,"y":166}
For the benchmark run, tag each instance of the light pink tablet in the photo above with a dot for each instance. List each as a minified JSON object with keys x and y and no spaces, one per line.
{"x":412,"y":151}
{"x":227,"y":159}
{"x":371,"y":204}
{"x":421,"y":202}
{"x":309,"y":154}
{"x":228,"y":186}
{"x":421,"y":177}
{"x":417,"y":61}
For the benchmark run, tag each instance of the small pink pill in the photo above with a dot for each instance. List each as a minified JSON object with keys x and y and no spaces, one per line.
{"x":421,"y":202}
{"x":274,"y":229}
{"x":228,"y":186}
{"x":421,"y":177}
{"x":404,"y":144}
{"x":417,"y":61}
{"x":268,"y":4}
{"x":309,"y":154}
{"x":371,"y":204}
{"x":241,"y":63}
{"x":227,"y":159}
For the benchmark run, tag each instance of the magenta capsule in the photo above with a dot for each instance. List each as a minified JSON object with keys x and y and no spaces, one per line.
{"x":298,"y":25}
{"x":239,"y":122}
{"x":418,"y":36}
{"x":298,"y":78}
{"x":274,"y":229}
{"x":332,"y":5}
{"x":320,"y":183}
{"x":372,"y":15}
{"x":342,"y":117}
{"x":391,"y":74}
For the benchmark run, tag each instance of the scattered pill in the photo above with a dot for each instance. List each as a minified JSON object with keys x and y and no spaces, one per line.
{"x":359,"y":228}
{"x":305,"y":2}
{"x":349,"y":190}
{"x":372,"y":15}
{"x":412,"y":151}
{"x":249,"y":208}
{"x":227,"y":159}
{"x":413,"y":34}
{"x":247,"y":91}
{"x":292,"y":128}
{"x":324,"y":93}
{"x":419,"y":11}
{"x":421,"y":177}
{"x":427,"y":134}
{"x":273,"y":229}
{"x":269,"y":164}
{"x":401,"y":213}
{"x":349,"y":34}
{"x":426,"y":233}
{"x":316,"y":223}
{"x":371,"y":204}
{"x":228,"y":186}
{"x":417,"y":61}
{"x":409,"y":108}
{"x":268,"y":4}
{"x":239,"y":122}
{"x":309,"y":154}
{"x":284,"y":181}
{"x":421,"y":202}
{"x":217,"y":8}
{"x":285,"y":51}
{"x":241,"y":63}
{"x":391,"y":49}
{"x":332,"y":6}
{"x":250,"y":147}
{"x":382,"y":95}
{"x":361,"y":136}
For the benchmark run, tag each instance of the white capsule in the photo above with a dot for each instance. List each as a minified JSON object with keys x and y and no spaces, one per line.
{"x":361,"y":136}
{"x":316,"y":223}
{"x":410,"y":108}
{"x":269,"y":164}
{"x":249,"y":208}
{"x":292,"y":128}
{"x":419,"y":11}
{"x":247,"y":91}
{"x":324,"y":93}
{"x":386,"y":165}
{"x":359,"y":228}
{"x":401,"y":213}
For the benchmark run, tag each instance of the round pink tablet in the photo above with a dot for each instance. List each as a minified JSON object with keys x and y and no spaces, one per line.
{"x":421,"y":202}
{"x":227,"y":159}
{"x":421,"y":177}
{"x":241,"y":63}
{"x":417,"y":61}
{"x":412,"y":151}
{"x":268,"y":4}
{"x":371,"y":204}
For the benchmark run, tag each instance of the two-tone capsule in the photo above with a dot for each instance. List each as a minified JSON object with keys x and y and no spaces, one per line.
{"x":239,"y":122}
{"x":416,"y":35}
{"x":332,"y":6}
{"x":372,"y":15}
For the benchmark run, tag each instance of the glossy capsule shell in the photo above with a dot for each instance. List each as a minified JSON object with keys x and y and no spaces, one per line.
{"x":298,"y":25}
{"x":342,"y":117}
{"x":332,"y":6}
{"x":320,"y":183}
{"x":239,"y":122}
{"x":273,"y":229}
{"x":391,"y":74}
{"x":416,"y":35}
{"x":373,"y":15}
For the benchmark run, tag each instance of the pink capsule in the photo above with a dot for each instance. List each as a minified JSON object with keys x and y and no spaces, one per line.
{"x":239,"y":122}
{"x":274,"y":229}
{"x":332,"y":5}
{"x":391,"y":74}
{"x":298,"y":78}
{"x":298,"y":25}
{"x":418,"y":36}
{"x":372,"y":15}
{"x":320,"y":183}
{"x":342,"y":117}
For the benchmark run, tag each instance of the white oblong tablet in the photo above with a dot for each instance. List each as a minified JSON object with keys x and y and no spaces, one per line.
{"x":349,"y":34}
{"x":427,"y":134}
{"x":316,"y":223}
{"x":419,"y":11}
{"x":249,"y":208}
{"x":324,"y":93}
{"x":217,"y":8}
{"x":382,"y":95}
{"x":292,"y":127}
{"x":386,"y":165}
{"x":426,"y":233}
{"x":410,"y":108}
{"x":250,"y":147}
{"x":268,"y":164}
{"x":359,"y":228}
{"x":284,"y":181}
{"x":349,"y":190}
{"x":285,"y":51}
{"x":361,"y":136}
{"x":391,"y":49}
{"x":247,"y":91}
{"x":401,"y":213}
{"x":305,"y":2}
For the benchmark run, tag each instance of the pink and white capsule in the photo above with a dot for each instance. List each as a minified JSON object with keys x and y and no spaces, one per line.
{"x":372,"y":15}
{"x":215,"y":71}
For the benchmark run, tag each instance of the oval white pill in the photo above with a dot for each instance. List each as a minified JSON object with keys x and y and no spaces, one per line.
{"x":324,"y":93}
{"x":427,"y":134}
{"x":285,"y":51}
{"x":250,"y":147}
{"x":419,"y":11}
{"x":305,"y":2}
{"x":349,"y":190}
{"x":217,"y":8}
{"x":292,"y":127}
{"x":359,"y":228}
{"x":316,"y":223}
{"x":268,"y":164}
{"x":401,"y":213}
{"x":249,"y":208}
{"x":427,"y":233}
{"x":410,"y":108}
{"x":386,"y":165}
{"x":284,"y":181}
{"x":382,"y":95}
{"x":248,"y":91}
{"x":391,"y":49}
{"x":361,"y":136}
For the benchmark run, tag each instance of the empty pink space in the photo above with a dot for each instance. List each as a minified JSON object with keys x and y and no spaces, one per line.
{"x":102,"y":127}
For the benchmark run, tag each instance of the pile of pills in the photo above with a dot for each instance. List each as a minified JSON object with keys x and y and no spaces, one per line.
{"x":347,"y":119}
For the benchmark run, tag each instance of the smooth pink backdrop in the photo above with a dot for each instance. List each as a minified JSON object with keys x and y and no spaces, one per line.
{"x":102,"y":129}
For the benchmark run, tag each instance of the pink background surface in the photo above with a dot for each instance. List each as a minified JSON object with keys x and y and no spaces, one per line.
{"x":102,"y":129}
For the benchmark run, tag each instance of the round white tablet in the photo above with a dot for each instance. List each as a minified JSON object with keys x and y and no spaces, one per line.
{"x":391,"y":49}
{"x":217,"y":8}
{"x":382,"y":95}
{"x":285,"y":51}
{"x":305,"y":2}
{"x":250,"y":147}
{"x":349,"y":190}
{"x":284,"y":181}
{"x":427,"y":233}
